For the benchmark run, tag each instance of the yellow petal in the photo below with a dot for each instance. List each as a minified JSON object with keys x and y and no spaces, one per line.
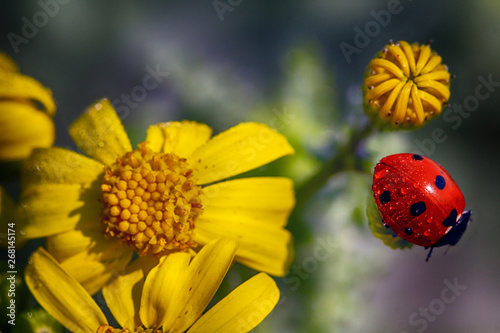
{"x":180,"y":138}
{"x":434,"y":61}
{"x":49,"y":209}
{"x":67,"y":244}
{"x":443,"y":75}
{"x":60,"y":166}
{"x":88,"y":246}
{"x":15,"y":86}
{"x":94,"y":267}
{"x":7,"y":64}
{"x":436,"y":88}
{"x":401,"y":106}
{"x":409,"y":54}
{"x":203,"y":278}
{"x":22,"y":128}
{"x":387,"y":107}
{"x":425,"y":53}
{"x":431,"y":100}
{"x":268,"y":200}
{"x":381,"y":89}
{"x":254,"y":211}
{"x":61,"y":295}
{"x":388,"y":66}
{"x":123,"y":296}
{"x":159,"y":287}
{"x":417,"y":105}
{"x":242,"y":148}
{"x":375,"y":80}
{"x":262,"y":247}
{"x":100,"y":133}
{"x":400,"y":56}
{"x":243,"y":309}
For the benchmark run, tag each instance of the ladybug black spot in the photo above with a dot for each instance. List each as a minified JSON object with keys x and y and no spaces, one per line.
{"x":417,"y":208}
{"x":417,"y":157}
{"x":385,"y":197}
{"x":440,"y":182}
{"x":408,"y":231}
{"x":451,"y":219}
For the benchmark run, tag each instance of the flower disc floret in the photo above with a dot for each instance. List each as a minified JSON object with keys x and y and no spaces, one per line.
{"x":406,"y":85}
{"x":151,"y":202}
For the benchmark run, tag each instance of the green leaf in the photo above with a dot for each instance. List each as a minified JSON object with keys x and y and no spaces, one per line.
{"x":380,"y":231}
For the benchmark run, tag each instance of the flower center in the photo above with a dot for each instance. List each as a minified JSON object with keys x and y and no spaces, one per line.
{"x":151,"y":202}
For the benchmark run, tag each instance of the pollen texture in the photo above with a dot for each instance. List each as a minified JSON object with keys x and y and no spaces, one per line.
{"x":151,"y":202}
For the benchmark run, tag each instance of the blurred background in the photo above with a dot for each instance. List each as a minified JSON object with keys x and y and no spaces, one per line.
{"x":298,"y":66}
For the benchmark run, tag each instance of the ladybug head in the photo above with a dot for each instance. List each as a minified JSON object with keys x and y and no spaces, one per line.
{"x":453,"y":236}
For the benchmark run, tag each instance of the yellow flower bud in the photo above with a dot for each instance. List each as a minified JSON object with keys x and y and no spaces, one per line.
{"x":405,"y":86}
{"x":26,"y":111}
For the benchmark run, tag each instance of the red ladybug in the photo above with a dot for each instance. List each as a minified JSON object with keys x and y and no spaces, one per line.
{"x":419,"y":201}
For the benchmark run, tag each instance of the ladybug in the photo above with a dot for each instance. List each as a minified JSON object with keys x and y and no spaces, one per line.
{"x":419,"y":201}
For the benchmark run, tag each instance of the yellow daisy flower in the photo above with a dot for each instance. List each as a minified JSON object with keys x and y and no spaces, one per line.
{"x":406,"y":85}
{"x":171,"y":298}
{"x":26,"y":111}
{"x":165,"y":196}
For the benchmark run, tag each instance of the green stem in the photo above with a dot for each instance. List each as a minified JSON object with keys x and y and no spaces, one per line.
{"x":345,"y":159}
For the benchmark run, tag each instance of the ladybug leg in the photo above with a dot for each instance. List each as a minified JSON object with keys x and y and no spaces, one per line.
{"x":455,"y":233}
{"x":429,"y":254}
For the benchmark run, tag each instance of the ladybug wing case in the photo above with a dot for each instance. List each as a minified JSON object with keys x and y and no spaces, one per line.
{"x":416,"y":197}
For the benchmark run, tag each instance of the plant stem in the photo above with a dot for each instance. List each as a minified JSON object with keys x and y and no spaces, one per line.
{"x":344,"y":159}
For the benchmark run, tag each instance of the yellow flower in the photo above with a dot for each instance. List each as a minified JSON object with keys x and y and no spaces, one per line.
{"x":26,"y":111}
{"x":163,"y":197}
{"x":171,"y":298}
{"x":405,"y":86}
